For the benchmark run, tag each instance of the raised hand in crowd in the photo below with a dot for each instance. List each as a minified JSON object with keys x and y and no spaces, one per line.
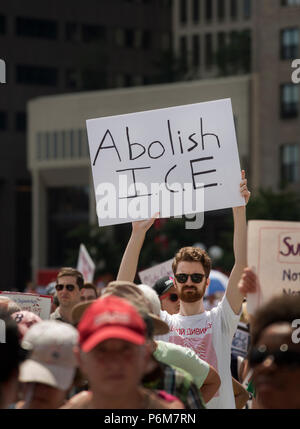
{"x":249,"y":282}
{"x":131,"y":255}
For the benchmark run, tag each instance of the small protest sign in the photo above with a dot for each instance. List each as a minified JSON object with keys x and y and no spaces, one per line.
{"x":152,"y":274}
{"x":274,"y":254}
{"x":38,"y":304}
{"x":241,"y":341}
{"x":85,"y":264}
{"x":177,"y":160}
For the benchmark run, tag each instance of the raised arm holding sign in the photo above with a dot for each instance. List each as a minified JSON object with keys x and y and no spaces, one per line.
{"x":129,"y":263}
{"x":234,"y":296}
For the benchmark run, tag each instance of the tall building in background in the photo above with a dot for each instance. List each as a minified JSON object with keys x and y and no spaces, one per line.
{"x":212,"y":37}
{"x":276,"y":100}
{"x":55,"y":47}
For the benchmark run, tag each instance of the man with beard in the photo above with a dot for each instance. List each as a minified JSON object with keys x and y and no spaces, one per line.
{"x":208,"y":333}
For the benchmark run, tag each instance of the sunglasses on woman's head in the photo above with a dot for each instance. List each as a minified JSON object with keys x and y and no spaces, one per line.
{"x":282,"y":356}
{"x":171,"y":295}
{"x":59,"y":287}
{"x":196,"y":277}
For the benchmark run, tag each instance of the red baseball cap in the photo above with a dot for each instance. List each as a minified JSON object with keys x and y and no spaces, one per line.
{"x":110,"y":317}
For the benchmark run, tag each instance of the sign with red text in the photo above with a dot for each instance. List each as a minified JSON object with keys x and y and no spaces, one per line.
{"x":152,"y":274}
{"x":38,"y":304}
{"x":85,"y":264}
{"x":274,"y":253}
{"x":176,"y":161}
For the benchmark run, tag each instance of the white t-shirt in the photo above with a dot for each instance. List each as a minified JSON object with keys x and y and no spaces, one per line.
{"x":210,"y":335}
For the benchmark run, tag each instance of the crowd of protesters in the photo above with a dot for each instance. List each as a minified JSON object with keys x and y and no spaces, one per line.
{"x":153,"y":346}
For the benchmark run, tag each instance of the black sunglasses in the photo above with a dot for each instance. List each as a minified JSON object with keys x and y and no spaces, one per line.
{"x":70,"y":288}
{"x":282,"y":356}
{"x":196,"y":277}
{"x":172,"y":296}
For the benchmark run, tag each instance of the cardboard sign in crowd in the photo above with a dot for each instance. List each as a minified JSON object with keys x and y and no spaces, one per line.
{"x":274,"y":254}
{"x":38,"y":304}
{"x":177,"y":160}
{"x":152,"y":274}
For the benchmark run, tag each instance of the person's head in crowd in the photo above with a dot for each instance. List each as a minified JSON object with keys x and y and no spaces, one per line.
{"x":136,"y":296}
{"x":49,"y":371}
{"x":11,"y":355}
{"x":152,"y":298}
{"x":25,"y":319}
{"x":168,"y":294}
{"x":88,"y":292}
{"x":191,"y":267}
{"x":274,"y":353}
{"x":113,"y":352}
{"x":68,"y":289}
{"x":147,"y":303}
{"x":8,"y":305}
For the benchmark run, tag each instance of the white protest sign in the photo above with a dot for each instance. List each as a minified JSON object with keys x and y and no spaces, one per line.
{"x":177,"y":160}
{"x":85,"y":264}
{"x":274,"y":253}
{"x":151,"y":275}
{"x":38,"y":304}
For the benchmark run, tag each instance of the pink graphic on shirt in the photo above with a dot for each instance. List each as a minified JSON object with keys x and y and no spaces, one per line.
{"x":203,"y":347}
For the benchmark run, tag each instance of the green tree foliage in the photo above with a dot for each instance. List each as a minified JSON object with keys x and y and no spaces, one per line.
{"x":102,"y":245}
{"x":269,"y":205}
{"x":106,"y":245}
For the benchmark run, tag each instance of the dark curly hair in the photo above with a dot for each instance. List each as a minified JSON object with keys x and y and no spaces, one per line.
{"x":283,"y":308}
{"x":90,"y":286}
